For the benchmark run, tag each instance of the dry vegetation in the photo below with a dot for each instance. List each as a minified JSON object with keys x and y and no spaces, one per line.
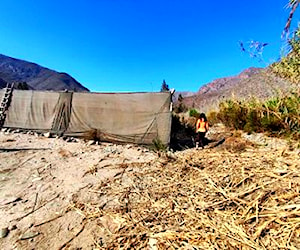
{"x":237,"y":195}
{"x":211,"y":199}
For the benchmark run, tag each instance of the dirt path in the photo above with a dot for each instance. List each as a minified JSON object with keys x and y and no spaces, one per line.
{"x":56,"y":194}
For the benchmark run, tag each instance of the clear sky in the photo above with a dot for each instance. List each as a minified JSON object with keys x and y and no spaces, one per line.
{"x":132,"y":45}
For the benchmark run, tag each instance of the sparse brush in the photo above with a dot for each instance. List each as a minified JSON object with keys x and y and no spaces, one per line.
{"x":158,"y":146}
{"x":277,"y":116}
{"x":204,"y":200}
{"x":180,"y":108}
{"x":212,"y":117}
{"x":93,"y":134}
{"x":288,"y":66}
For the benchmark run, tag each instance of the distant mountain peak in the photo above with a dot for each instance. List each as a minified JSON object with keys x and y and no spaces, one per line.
{"x":252,"y":82}
{"x":249,"y":72}
{"x":36,"y":76}
{"x":227,"y":82}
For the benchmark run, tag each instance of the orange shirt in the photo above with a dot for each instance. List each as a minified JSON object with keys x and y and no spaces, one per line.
{"x":201,"y":126}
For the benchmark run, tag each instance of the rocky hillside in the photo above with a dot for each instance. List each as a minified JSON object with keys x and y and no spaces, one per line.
{"x":36,"y":76}
{"x":2,"y":83}
{"x":253,"y":82}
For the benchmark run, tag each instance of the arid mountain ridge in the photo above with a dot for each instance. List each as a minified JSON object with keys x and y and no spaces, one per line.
{"x":252,"y":82}
{"x":36,"y":76}
{"x":258,"y":83}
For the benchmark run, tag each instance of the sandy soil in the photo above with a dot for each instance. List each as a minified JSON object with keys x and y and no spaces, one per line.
{"x":41,"y":178}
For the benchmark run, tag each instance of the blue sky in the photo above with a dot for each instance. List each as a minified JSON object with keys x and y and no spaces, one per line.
{"x":132,"y":45}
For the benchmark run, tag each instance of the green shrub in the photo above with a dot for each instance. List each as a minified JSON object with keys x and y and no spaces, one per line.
{"x":288,"y":66}
{"x":233,"y":114}
{"x":194,"y":113}
{"x":158,"y":146}
{"x":277,"y":116}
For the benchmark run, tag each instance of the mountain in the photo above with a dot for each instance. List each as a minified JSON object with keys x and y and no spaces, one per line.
{"x":253,"y":82}
{"x":36,"y":76}
{"x":2,"y":83}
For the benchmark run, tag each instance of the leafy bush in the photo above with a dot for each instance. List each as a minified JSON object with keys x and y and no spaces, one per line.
{"x":233,"y":114}
{"x":194,"y":113}
{"x":289,"y":66}
{"x":277,"y":116}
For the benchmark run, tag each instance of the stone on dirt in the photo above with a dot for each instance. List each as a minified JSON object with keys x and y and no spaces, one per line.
{"x":48,"y":134}
{"x":29,"y":235}
{"x":4,"y":232}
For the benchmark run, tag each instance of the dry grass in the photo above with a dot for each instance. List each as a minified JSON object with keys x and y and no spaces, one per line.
{"x":64,"y":153}
{"x":210,"y":199}
{"x":93,"y":134}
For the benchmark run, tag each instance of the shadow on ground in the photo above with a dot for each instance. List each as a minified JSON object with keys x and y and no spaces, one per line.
{"x":183,"y":137}
{"x":21,"y":149}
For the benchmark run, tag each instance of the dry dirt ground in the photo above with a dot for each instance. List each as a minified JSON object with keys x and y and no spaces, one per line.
{"x":53,"y":193}
{"x":39,"y":179}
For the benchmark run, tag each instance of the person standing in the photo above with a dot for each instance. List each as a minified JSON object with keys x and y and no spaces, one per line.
{"x":201,"y":129}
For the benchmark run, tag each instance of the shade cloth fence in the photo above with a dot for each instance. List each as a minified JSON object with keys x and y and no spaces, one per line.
{"x":120,"y":117}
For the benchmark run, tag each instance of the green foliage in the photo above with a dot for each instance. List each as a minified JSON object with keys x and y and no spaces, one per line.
{"x":277,"y":116}
{"x":158,"y":146}
{"x":289,"y":66}
{"x":232,"y":114}
{"x":194,"y":113}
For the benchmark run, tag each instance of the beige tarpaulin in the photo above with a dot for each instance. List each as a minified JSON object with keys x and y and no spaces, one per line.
{"x":31,"y":110}
{"x":127,"y":117}
{"x":122,"y":117}
{"x":1,"y":94}
{"x":63,"y":111}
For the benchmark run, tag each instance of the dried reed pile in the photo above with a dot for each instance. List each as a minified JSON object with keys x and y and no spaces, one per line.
{"x":210,"y":199}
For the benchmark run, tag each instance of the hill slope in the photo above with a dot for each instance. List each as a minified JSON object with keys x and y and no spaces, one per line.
{"x":36,"y":76}
{"x":252,"y":82}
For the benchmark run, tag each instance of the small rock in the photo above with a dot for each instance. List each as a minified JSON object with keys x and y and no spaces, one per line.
{"x":4,"y":232}
{"x":91,"y":142}
{"x":48,"y":135}
{"x":29,"y":235}
{"x":69,"y":139}
{"x":171,"y":155}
